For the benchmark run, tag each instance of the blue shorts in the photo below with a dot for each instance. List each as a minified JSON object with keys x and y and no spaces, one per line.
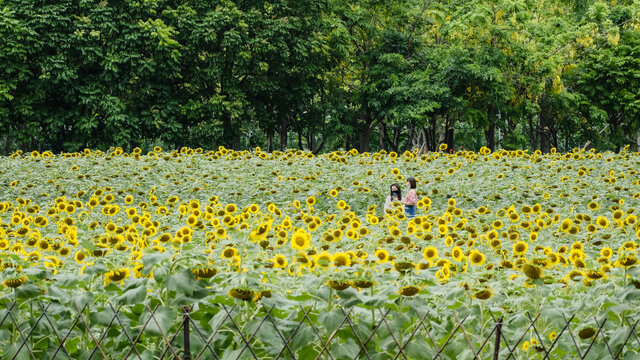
{"x":410,"y":210}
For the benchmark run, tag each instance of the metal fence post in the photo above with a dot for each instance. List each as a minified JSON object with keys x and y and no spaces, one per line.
{"x":496,"y":349}
{"x":185,"y":324}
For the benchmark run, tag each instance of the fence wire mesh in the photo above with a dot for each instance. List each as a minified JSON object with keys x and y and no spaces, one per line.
{"x":219,"y":331}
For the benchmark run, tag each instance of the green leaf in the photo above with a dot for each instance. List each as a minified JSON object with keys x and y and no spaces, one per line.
{"x":82,"y":299}
{"x":331,"y":319}
{"x":419,"y":349}
{"x":164,"y":317}
{"x":634,"y":271}
{"x":346,"y":350}
{"x":303,"y":337}
{"x":102,"y":317}
{"x":151,"y":260}
{"x":96,"y":269}
{"x":55,"y":293}
{"x":182,"y":282}
{"x":28,"y":291}
{"x":133,"y":296}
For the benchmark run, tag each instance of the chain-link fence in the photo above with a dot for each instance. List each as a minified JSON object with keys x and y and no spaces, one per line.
{"x":247,"y":331}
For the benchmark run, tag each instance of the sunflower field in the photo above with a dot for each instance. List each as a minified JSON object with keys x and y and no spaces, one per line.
{"x":505,"y":232}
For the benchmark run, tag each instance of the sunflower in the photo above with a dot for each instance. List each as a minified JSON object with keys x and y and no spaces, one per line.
{"x":229,"y":253}
{"x":617,"y":215}
{"x":476,"y":258}
{"x":323,"y":259}
{"x":352,"y":234}
{"x":241,"y":293}
{"x":382,"y":255}
{"x":362,"y":283}
{"x":595,"y":274}
{"x":231,"y":208}
{"x":199,"y":273}
{"x":311,"y":200}
{"x":430,"y":253}
{"x":338,"y":285}
{"x":532,"y":271}
{"x":34,"y":256}
{"x":629,"y":245}
{"x":300,"y":240}
{"x":43,"y":244}
{"x":279,"y":261}
{"x":409,"y":290}
{"x":520,"y":248}
{"x":602,"y":222}
{"x":261,"y":232}
{"x":627,"y":261}
{"x":15,"y":282}
{"x":483,"y":294}
{"x":395,"y":232}
{"x":116,"y":275}
{"x":593,"y":205}
{"x":587,"y":332}
{"x":457,"y":254}
{"x":341,"y":259}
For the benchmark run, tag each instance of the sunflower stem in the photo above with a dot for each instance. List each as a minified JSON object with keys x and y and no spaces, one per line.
{"x":373,"y":313}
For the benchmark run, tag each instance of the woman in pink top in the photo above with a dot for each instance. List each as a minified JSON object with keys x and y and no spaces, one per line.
{"x":411,"y":199}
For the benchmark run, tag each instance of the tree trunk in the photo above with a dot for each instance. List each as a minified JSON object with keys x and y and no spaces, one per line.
{"x":617,"y":138}
{"x":449,"y":132}
{"x":431,"y":135}
{"x":490,"y":131}
{"x":319,"y":148}
{"x":396,"y":138}
{"x":311,"y":141}
{"x":5,"y":146}
{"x":410,"y":138}
{"x":270,"y":142}
{"x":393,"y":143}
{"x":365,"y":138}
{"x":637,"y":141}
{"x":381,"y":136}
{"x":227,"y":127}
{"x":533,"y":138}
{"x":284,"y":132}
{"x":545,"y":134}
{"x":423,"y":140}
{"x":299,"y":140}
{"x":237,"y":142}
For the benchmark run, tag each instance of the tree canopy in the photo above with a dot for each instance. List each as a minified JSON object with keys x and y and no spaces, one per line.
{"x":319,"y":74}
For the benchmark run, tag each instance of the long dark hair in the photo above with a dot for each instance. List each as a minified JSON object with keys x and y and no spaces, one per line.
{"x":412,"y":182}
{"x":397,"y":193}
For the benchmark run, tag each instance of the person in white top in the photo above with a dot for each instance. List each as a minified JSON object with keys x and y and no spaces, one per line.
{"x":395,"y":195}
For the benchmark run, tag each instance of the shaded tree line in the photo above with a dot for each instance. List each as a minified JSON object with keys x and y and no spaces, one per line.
{"x":319,"y":75}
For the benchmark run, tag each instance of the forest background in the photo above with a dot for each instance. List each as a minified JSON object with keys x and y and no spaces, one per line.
{"x":319,"y":74}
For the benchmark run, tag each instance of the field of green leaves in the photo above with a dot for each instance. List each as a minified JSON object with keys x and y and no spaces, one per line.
{"x":503,"y":233}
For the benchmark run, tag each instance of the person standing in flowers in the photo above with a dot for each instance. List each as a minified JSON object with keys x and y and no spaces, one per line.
{"x":411,"y":199}
{"x":395,"y":195}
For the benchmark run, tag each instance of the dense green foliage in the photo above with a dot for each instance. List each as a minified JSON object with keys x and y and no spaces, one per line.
{"x":319,"y":75}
